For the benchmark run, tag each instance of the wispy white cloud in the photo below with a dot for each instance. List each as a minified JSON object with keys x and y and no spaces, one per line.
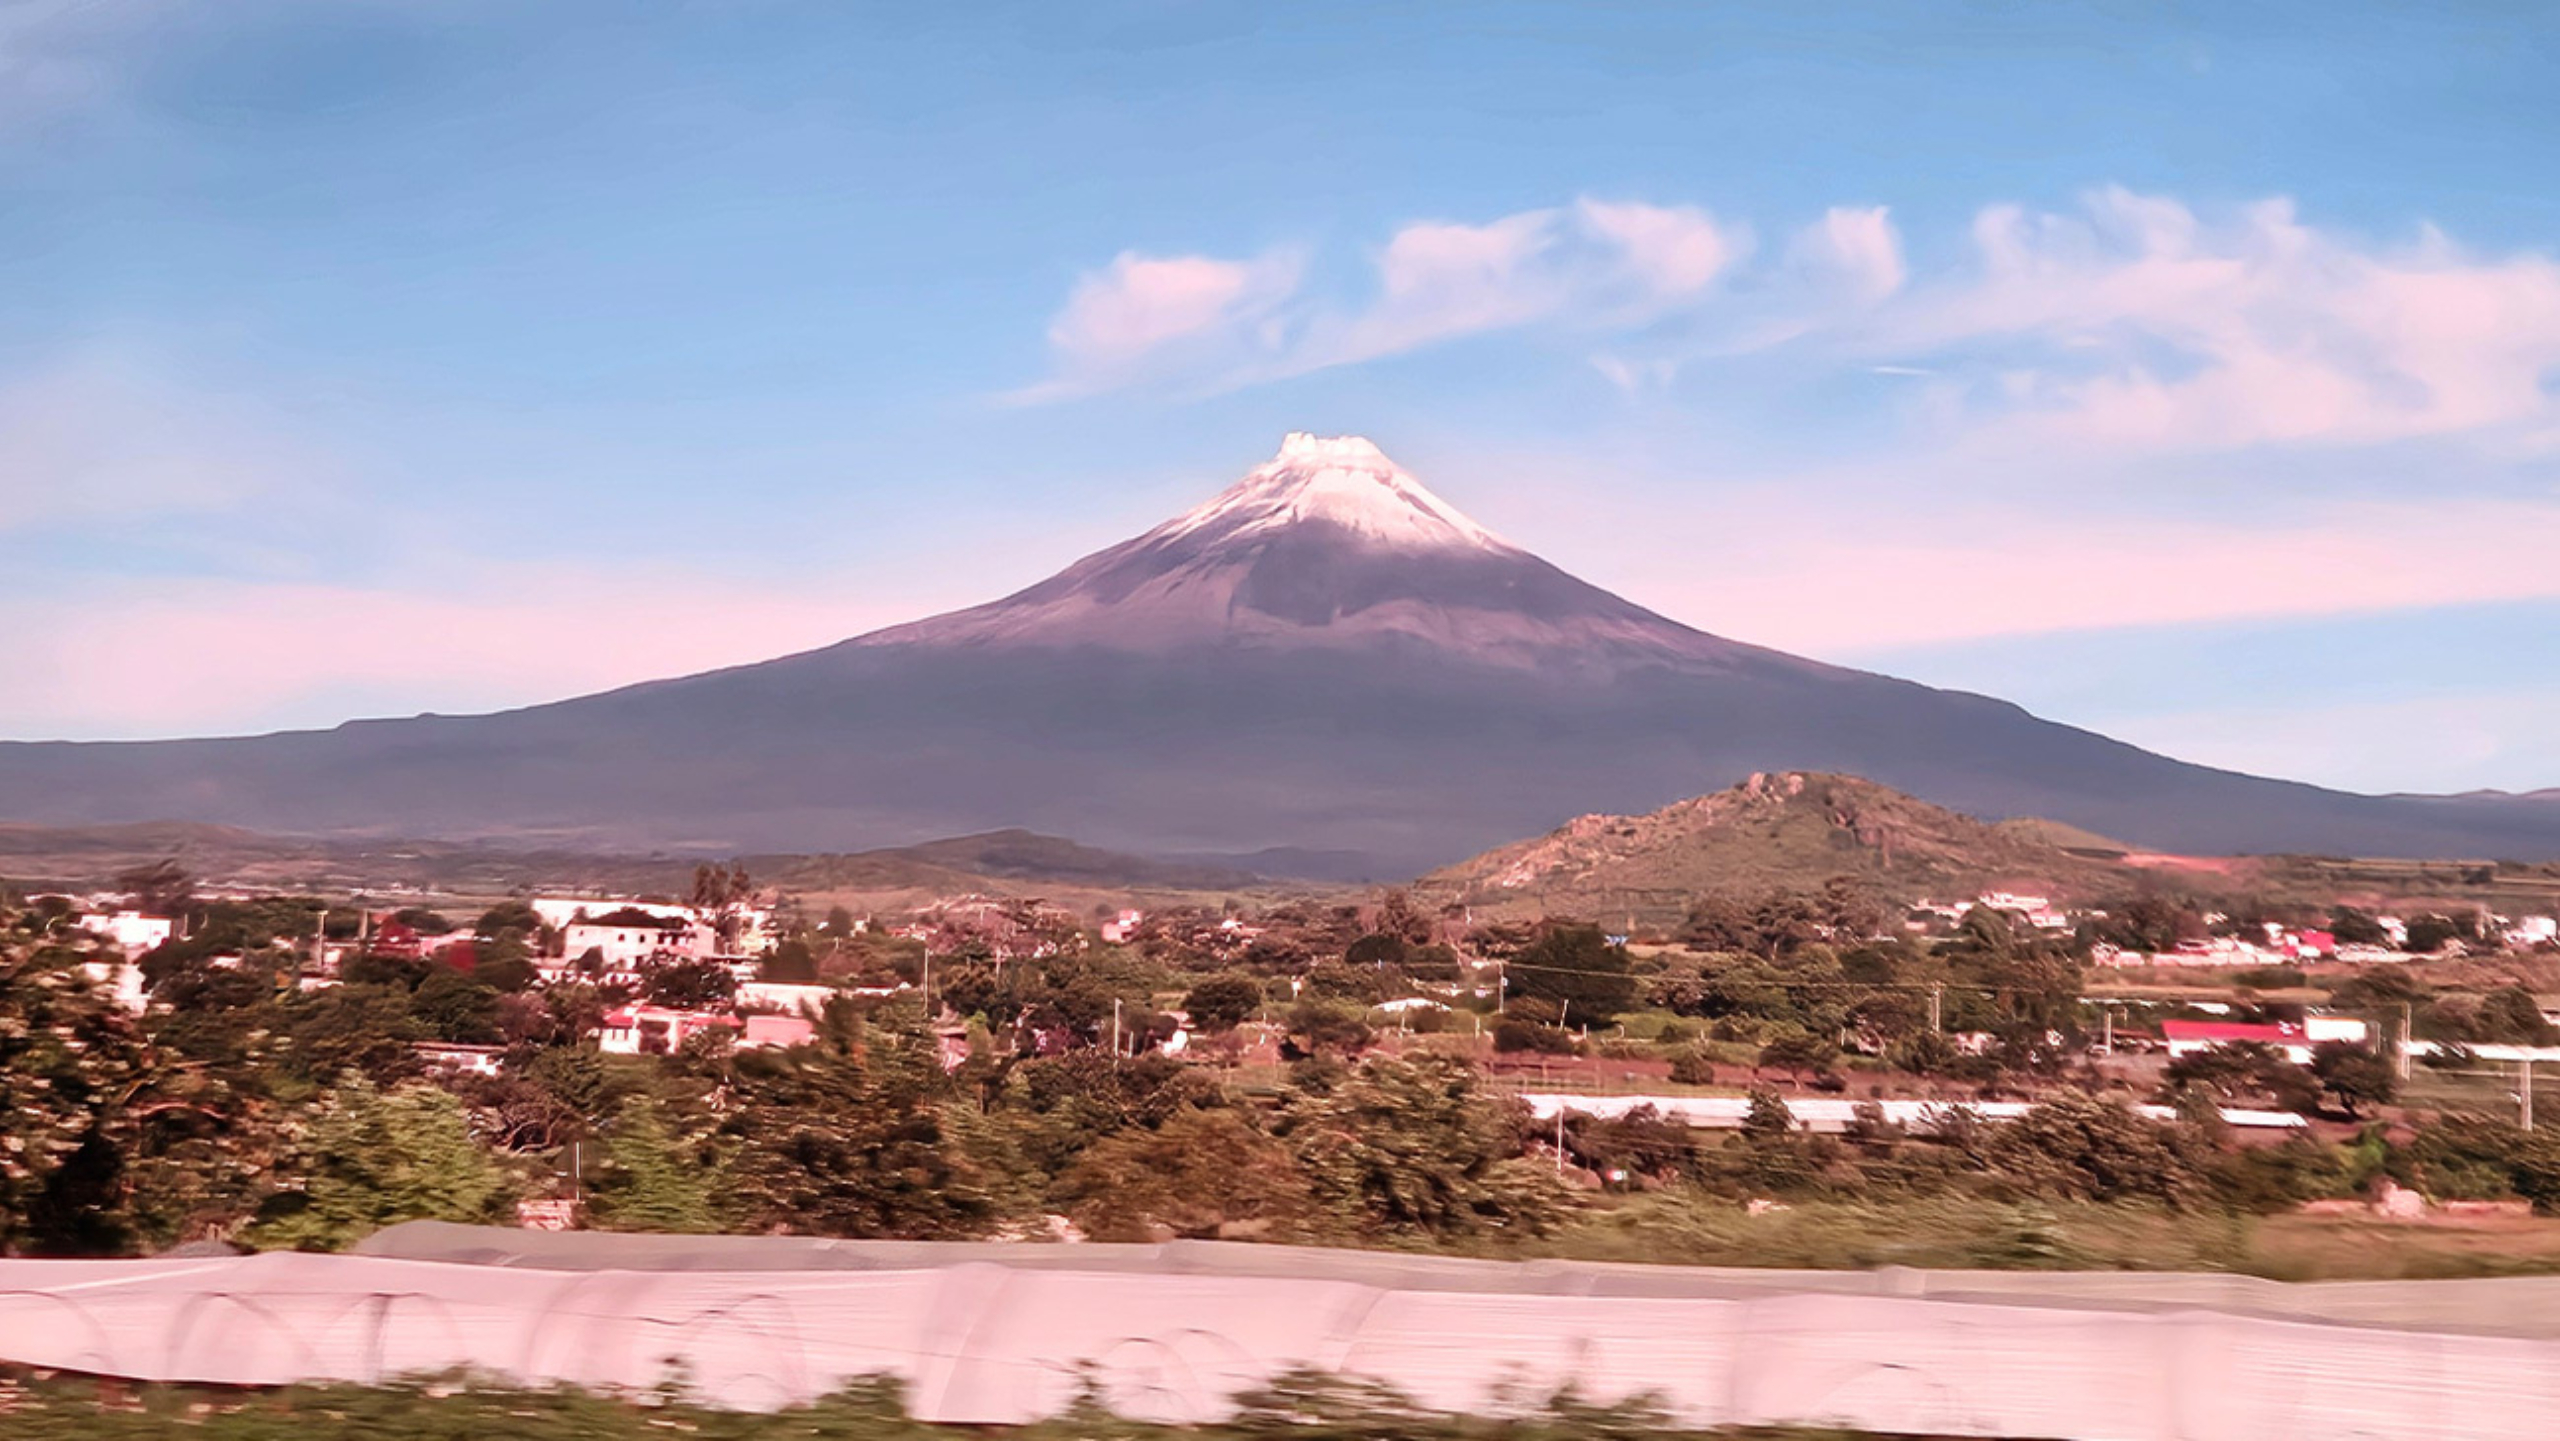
{"x":1203,"y":323}
{"x":2164,"y":331}
{"x":2133,"y":323}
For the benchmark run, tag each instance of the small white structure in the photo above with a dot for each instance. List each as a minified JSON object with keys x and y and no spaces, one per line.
{"x":449,"y":1058}
{"x":120,"y":979}
{"x":789,"y":998}
{"x":132,"y":930}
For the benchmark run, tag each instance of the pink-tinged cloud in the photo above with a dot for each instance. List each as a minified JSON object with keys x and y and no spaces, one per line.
{"x":1673,"y":251}
{"x":1854,"y":251}
{"x":2286,"y":334}
{"x":1141,"y":309}
{"x":1861,"y":583}
{"x":198,"y":657}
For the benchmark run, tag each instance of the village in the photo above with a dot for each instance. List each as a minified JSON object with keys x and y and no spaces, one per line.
{"x":726,"y":969}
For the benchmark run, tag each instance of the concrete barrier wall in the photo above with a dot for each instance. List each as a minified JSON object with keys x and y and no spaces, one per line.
{"x":978,"y":1341}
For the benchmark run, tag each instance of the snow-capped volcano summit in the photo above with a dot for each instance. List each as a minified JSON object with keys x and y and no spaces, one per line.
{"x":1328,"y":543}
{"x":1341,"y":480}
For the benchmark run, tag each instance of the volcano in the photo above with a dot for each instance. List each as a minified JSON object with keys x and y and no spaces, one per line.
{"x":1324,"y":659}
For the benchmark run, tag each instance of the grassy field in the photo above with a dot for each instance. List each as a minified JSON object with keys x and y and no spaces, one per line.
{"x":1301,"y":1409}
{"x":1961,"y":1234}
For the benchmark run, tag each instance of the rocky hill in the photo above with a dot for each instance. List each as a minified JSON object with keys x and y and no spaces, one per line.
{"x":1793,"y":830}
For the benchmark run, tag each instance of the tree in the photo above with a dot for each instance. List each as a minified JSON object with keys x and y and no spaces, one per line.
{"x":505,"y":916}
{"x":1575,"y":967}
{"x":833,"y":1144}
{"x":689,"y":985}
{"x":425,"y":922}
{"x":68,"y":1060}
{"x":656,"y":1178}
{"x":2512,"y":1014}
{"x":457,"y":1008}
{"x":1319,"y":1026}
{"x":2077,"y":1147}
{"x":1414,"y":1145}
{"x":2358,"y":1077}
{"x":1799,"y":1052}
{"x":2353,"y":927}
{"x":2429,"y":934}
{"x":1196,"y":1174}
{"x":373,"y":1158}
{"x":1399,"y":917}
{"x":1767,"y":1116}
{"x":1223,"y":1002}
{"x":792,"y":961}
{"x":162,"y":888}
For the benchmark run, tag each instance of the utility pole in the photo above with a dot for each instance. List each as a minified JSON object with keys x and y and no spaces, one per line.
{"x":1115,"y":1026}
{"x":2107,"y":1019}
{"x":1937,"y":993}
{"x":2407,"y":1039}
{"x":1559,"y":1136}
{"x":2524,"y":1091}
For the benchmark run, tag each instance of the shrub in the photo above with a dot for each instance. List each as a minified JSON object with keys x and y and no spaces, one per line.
{"x":1515,"y":1035}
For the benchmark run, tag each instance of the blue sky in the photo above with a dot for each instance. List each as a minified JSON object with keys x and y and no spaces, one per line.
{"x":2184,"y":373}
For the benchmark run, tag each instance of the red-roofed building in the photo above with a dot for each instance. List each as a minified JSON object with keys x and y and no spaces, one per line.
{"x":2188,"y":1037}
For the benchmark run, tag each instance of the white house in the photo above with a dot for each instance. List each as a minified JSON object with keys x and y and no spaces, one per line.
{"x":625,"y":944}
{"x":132,"y":930}
{"x":662,"y":1030}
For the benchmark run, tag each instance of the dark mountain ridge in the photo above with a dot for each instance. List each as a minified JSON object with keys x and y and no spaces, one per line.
{"x":1326,"y":656}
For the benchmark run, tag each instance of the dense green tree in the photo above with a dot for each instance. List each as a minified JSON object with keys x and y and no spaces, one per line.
{"x":2357,"y":1076}
{"x":689,"y":985}
{"x":834,"y":1144}
{"x":1800,"y":1053}
{"x":371,"y":1158}
{"x":1200,"y":1172}
{"x":2353,"y":927}
{"x":1575,"y":967}
{"x":1415,"y":1145}
{"x":2513,"y":1015}
{"x":655,"y":1176}
{"x":2429,"y":934}
{"x":1222,"y":1002}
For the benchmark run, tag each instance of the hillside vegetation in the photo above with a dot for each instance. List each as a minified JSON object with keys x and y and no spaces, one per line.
{"x":1791,"y":831}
